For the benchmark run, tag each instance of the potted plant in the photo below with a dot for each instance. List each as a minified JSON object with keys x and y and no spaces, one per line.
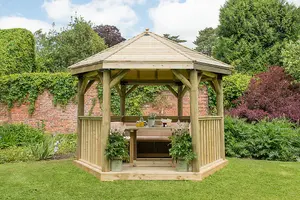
{"x":181,"y":150}
{"x":151,"y":119}
{"x":117,"y":149}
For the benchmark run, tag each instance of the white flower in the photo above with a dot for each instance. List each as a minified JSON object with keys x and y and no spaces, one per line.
{"x":55,"y":149}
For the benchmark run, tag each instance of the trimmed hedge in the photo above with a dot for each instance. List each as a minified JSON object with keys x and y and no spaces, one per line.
{"x":17,"y":51}
{"x":26,"y":87}
{"x":266,"y":140}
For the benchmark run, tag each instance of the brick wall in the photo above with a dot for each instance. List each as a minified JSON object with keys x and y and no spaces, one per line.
{"x":59,"y":119}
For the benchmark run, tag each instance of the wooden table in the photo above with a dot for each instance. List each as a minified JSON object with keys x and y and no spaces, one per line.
{"x":133,"y":145}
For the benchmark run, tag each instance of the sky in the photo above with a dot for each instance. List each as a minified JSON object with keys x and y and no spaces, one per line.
{"x":176,"y":17}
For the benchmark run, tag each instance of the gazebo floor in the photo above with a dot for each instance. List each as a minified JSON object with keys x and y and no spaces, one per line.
{"x":151,"y":170}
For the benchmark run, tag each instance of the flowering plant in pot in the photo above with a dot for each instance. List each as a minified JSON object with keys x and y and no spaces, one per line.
{"x":151,"y":119}
{"x":181,"y":149}
{"x":117,"y":149}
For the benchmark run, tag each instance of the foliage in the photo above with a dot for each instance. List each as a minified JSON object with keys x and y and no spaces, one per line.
{"x":43,"y":150}
{"x":291,"y":61}
{"x":234,"y":87}
{"x":15,"y":154}
{"x":19,"y":135}
{"x":134,"y":101}
{"x":26,"y":87}
{"x":181,"y":145}
{"x":65,"y":144}
{"x":117,"y":145}
{"x":110,"y":34}
{"x":252,"y":33}
{"x":205,"y":41}
{"x":174,"y":38}
{"x":152,"y":116}
{"x":270,"y":94}
{"x":16,"y":51}
{"x":56,"y":51}
{"x":275,"y":140}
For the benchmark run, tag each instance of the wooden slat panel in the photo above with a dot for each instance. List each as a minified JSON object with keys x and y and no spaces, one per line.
{"x":210,"y":139}
{"x":90,"y":139}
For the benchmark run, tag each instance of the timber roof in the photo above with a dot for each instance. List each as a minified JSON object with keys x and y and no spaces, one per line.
{"x":150,"y":51}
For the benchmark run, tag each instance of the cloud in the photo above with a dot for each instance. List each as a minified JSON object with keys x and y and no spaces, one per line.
{"x":22,"y":22}
{"x":187,"y":18}
{"x":296,"y":2}
{"x":114,"y":12}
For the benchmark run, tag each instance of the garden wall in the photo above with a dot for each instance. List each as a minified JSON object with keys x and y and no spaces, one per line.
{"x":59,"y":119}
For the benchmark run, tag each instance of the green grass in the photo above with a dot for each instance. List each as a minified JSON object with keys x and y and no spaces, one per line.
{"x":241,"y":179}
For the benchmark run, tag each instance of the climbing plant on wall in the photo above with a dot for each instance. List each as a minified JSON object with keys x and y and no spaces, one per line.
{"x":18,"y":88}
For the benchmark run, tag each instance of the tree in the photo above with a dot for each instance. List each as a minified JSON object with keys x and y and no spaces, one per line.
{"x":252,"y":33}
{"x":270,"y":94}
{"x":56,"y":51}
{"x":206,"y":40}
{"x":110,"y":34}
{"x":174,"y":38}
{"x":16,"y":51}
{"x":291,"y":59}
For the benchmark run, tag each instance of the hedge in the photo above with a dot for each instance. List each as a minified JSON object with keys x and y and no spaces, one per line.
{"x":17,"y":51}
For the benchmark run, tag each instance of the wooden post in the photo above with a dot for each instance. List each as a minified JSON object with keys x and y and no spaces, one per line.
{"x":220,"y":112}
{"x":122,"y":100}
{"x":194,"y":118}
{"x":179,"y":102}
{"x":80,"y":112}
{"x":105,"y":118}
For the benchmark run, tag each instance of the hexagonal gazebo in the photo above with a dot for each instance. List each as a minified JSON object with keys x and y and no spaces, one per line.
{"x":149,"y":59}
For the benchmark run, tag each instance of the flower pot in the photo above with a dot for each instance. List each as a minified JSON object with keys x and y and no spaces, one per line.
{"x":116,"y":165}
{"x":182,"y":165}
{"x":151,"y":122}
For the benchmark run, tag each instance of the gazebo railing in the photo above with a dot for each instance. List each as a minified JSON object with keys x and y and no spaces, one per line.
{"x":90,"y":139}
{"x":210,"y":139}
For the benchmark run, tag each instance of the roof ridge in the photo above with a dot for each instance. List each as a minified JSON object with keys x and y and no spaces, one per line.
{"x":160,"y":38}
{"x":130,"y":41}
{"x":189,"y":49}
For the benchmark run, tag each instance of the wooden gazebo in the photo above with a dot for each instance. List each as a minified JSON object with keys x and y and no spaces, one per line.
{"x":149,"y":59}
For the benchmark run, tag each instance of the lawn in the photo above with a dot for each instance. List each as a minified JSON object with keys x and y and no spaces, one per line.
{"x":60,"y":179}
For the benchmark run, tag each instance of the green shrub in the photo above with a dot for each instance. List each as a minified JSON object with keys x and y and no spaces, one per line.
{"x":17,"y":51}
{"x":291,"y":61}
{"x":266,"y":140}
{"x":234,"y":87}
{"x":43,"y":150}
{"x":15,"y":154}
{"x":17,"y":88}
{"x":19,"y":135}
{"x":66,"y":144}
{"x":117,"y":146}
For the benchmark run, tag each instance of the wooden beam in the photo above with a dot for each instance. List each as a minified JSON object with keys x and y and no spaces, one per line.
{"x":84,"y":84}
{"x":199,"y":77}
{"x":118,"y":90}
{"x":130,"y":90}
{"x":172,"y":90}
{"x":150,"y":82}
{"x":184,"y":80}
{"x":179,"y":102}
{"x":105,"y":118}
{"x":100,"y":76}
{"x":80,"y":112}
{"x":216,"y":85}
{"x":91,"y":82}
{"x":185,"y":89}
{"x":220,"y":112}
{"x":90,"y":74}
{"x":117,"y":78}
{"x":194,"y":109}
{"x":209,"y":74}
{"x":122,"y":100}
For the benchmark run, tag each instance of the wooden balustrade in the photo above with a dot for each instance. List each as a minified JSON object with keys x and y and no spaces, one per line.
{"x":90,"y":139}
{"x":211,"y":143}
